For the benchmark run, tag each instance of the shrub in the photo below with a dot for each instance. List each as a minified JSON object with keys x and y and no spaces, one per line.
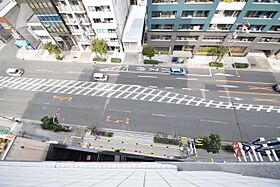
{"x":59,"y":57}
{"x":99,"y":132}
{"x":150,"y":62}
{"x":216,"y":64}
{"x":163,"y":52}
{"x":206,"y":49}
{"x":228,"y":148}
{"x":48,"y":124}
{"x":116,"y":60}
{"x":99,"y":59}
{"x":240,"y":65}
{"x":158,"y":139}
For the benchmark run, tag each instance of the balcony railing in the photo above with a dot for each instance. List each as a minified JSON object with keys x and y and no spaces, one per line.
{"x":164,"y":1}
{"x":267,"y":1}
{"x":199,"y":1}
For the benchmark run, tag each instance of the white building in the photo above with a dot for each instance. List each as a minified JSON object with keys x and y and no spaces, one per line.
{"x":108,"y":19}
{"x":75,"y":17}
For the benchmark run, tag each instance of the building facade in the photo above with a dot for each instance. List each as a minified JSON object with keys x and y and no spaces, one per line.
{"x":52,"y":21}
{"x":197,"y":26}
{"x":108,"y":18}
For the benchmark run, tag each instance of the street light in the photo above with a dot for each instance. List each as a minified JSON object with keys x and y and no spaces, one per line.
{"x":232,"y":38}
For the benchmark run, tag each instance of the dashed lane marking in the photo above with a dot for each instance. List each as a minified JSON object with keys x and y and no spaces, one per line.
{"x":133,"y":92}
{"x":259,"y":88}
{"x":265,"y":100}
{"x":249,"y":93}
{"x":244,"y":82}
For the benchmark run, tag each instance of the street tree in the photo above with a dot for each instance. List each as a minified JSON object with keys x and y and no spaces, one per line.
{"x":99,"y":46}
{"x":53,"y":49}
{"x":212,"y":143}
{"x":219,"y":52}
{"x":149,"y":51}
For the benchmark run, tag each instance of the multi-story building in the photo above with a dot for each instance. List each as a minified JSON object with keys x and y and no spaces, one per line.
{"x":52,"y":21}
{"x":108,"y":18}
{"x":75,"y":16}
{"x":195,"y":25}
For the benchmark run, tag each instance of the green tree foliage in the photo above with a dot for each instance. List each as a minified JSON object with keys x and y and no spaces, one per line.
{"x":149,"y":51}
{"x":52,"y":48}
{"x":212,"y":143}
{"x":99,"y":46}
{"x":50,"y":123}
{"x":219,"y":52}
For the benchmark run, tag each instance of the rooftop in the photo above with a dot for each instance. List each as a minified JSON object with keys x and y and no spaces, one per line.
{"x":135,"y":24}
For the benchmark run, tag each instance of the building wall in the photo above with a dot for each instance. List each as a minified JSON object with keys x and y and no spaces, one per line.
{"x":220,"y":22}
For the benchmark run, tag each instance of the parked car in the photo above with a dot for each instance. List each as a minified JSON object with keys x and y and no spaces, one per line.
{"x":177,"y":71}
{"x":276,"y":87}
{"x":103,"y":77}
{"x":15,"y":72}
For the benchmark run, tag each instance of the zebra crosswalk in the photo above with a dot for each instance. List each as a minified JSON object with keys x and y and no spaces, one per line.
{"x":123,"y":91}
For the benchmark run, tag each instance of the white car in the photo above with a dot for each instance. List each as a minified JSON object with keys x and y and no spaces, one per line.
{"x":100,"y":77}
{"x":15,"y":72}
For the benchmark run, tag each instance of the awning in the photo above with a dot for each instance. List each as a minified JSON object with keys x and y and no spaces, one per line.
{"x":22,"y":43}
{"x":182,"y":54}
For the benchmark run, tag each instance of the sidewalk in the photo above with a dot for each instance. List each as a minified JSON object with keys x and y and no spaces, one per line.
{"x":256,"y":61}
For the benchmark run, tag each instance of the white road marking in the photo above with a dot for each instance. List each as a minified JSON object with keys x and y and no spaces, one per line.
{"x":147,"y":76}
{"x":235,"y":98}
{"x":113,"y":74}
{"x":266,"y":126}
{"x":124,"y":111}
{"x":147,"y":94}
{"x":163,"y":115}
{"x":227,"y":86}
{"x":43,"y":70}
{"x":75,"y":72}
{"x":204,"y":90}
{"x":156,"y":95}
{"x":186,"y":89}
{"x":189,"y":79}
{"x":213,"y":121}
{"x":224,"y":74}
{"x":152,"y":86}
{"x":169,"y":87}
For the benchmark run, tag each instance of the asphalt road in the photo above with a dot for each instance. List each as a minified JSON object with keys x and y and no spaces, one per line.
{"x":144,"y":115}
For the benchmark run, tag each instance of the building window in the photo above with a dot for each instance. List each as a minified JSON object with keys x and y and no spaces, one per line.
{"x":245,"y":39}
{"x":45,"y":37}
{"x":111,"y":30}
{"x":191,"y":27}
{"x":195,"y":14}
{"x":162,"y":27}
{"x":104,"y":8}
{"x":220,"y":27}
{"x":186,"y":38}
{"x":256,"y":28}
{"x":37,"y":28}
{"x":260,"y":14}
{"x":163,"y":14}
{"x":96,"y":20}
{"x":214,"y":39}
{"x":161,"y":37}
{"x":275,"y":28}
{"x":199,"y":1}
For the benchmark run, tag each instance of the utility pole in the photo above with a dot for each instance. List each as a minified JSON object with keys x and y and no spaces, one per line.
{"x":237,"y":122}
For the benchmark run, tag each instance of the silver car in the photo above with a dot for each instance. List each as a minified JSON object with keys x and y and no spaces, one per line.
{"x":103,"y":77}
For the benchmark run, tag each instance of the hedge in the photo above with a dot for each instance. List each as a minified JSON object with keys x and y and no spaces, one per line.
{"x":228,"y":148}
{"x":163,"y":140}
{"x":116,"y":60}
{"x":99,"y":132}
{"x":240,"y":65}
{"x":216,"y":64}
{"x":163,"y":52}
{"x":150,"y":62}
{"x":99,"y":59}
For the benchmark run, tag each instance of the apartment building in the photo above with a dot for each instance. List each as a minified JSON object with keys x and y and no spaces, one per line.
{"x":187,"y":27}
{"x":51,"y":20}
{"x":74,"y":14}
{"x":108,"y":19}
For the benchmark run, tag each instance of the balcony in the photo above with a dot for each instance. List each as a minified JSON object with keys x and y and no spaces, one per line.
{"x":260,"y":14}
{"x":221,"y":19}
{"x":164,"y":14}
{"x":63,"y":9}
{"x":231,"y":5}
{"x":164,"y":1}
{"x":160,"y":38}
{"x":198,"y":1}
{"x":183,"y":27}
{"x":195,"y":14}
{"x":162,"y":27}
{"x":78,"y":9}
{"x":266,"y":1}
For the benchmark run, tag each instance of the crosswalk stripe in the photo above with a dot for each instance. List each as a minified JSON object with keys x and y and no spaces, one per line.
{"x":190,"y":100}
{"x":181,"y":99}
{"x":148,"y":94}
{"x":108,"y":90}
{"x":138,"y":94}
{"x":76,"y":88}
{"x":132,"y":92}
{"x":90,"y":90}
{"x":164,"y":97}
{"x":156,"y":95}
{"x":172,"y":98}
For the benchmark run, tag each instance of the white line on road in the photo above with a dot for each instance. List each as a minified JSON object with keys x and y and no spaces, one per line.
{"x":235,"y":98}
{"x":163,"y":115}
{"x":186,"y":89}
{"x":124,"y":111}
{"x":265,"y":126}
{"x":169,"y":87}
{"x":113,"y":74}
{"x":224,"y":74}
{"x":189,"y":79}
{"x":213,"y":121}
{"x":46,"y":103}
{"x":227,"y":86}
{"x":152,"y":86}
{"x":43,"y":70}
{"x":147,"y":76}
{"x":204,"y":90}
{"x":76,"y":72}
